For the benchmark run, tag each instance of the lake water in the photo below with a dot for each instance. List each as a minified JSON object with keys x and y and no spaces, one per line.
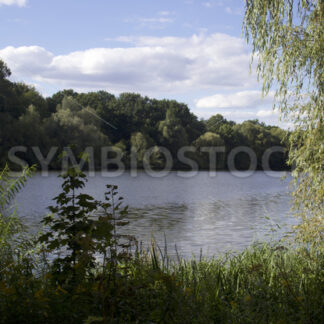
{"x":215,"y":214}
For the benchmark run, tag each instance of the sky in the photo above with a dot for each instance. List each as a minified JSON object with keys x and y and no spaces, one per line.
{"x":188,"y":50}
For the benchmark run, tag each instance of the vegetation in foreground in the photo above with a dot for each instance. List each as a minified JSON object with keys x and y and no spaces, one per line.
{"x":104,"y":278}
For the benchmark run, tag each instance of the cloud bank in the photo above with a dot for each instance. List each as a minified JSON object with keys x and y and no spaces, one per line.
{"x":241,"y":99}
{"x":149,"y":64}
{"x":175,"y":67}
{"x":19,"y":3}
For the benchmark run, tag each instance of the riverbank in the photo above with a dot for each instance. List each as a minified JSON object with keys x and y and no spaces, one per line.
{"x":263,"y":284}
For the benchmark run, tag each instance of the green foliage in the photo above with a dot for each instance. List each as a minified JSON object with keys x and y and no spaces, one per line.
{"x":130,"y":122}
{"x":140,"y":144}
{"x":260,"y":137}
{"x":263,"y":284}
{"x":83,"y":228}
{"x":209,"y":140}
{"x":214,"y":123}
{"x":173,"y":133}
{"x":288,"y":38}
{"x":76,"y":125}
{"x":10,"y":225}
{"x":4,"y":70}
{"x":14,"y":244}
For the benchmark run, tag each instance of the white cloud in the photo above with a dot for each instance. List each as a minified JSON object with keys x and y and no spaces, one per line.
{"x":156,"y":20}
{"x":19,"y":3}
{"x":207,"y":4}
{"x":165,"y":13}
{"x":233,"y":11}
{"x":242,"y":99}
{"x":267,"y":113}
{"x":160,"y":21}
{"x":269,"y":116}
{"x":150,"y":65}
{"x":26,"y":61}
{"x":238,"y":114}
{"x":211,"y":4}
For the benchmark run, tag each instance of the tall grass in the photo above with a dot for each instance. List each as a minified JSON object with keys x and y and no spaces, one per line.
{"x":263,"y":284}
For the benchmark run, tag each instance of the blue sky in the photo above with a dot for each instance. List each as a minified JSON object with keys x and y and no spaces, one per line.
{"x":188,"y":50}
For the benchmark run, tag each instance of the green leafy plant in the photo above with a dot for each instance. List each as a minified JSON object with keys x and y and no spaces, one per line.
{"x":81,"y":229}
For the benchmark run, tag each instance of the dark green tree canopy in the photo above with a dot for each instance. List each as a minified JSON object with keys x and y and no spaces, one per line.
{"x":4,"y":70}
{"x":129,"y":121}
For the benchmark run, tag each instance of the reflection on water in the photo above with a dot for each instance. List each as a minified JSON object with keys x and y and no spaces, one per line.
{"x":215,"y":227}
{"x":212,"y":214}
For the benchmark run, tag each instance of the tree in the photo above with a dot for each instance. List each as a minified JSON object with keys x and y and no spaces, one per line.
{"x":288,"y":40}
{"x":209,"y":140}
{"x":5,"y":85}
{"x":215,"y":122}
{"x":4,"y":70}
{"x":27,"y":95}
{"x":78,"y":125}
{"x":140,"y":144}
{"x":97,"y":119}
{"x":174,"y":135}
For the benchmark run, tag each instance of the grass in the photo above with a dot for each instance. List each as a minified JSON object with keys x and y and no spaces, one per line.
{"x":264,"y":284}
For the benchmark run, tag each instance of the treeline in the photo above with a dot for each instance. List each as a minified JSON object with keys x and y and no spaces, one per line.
{"x":129,"y":122}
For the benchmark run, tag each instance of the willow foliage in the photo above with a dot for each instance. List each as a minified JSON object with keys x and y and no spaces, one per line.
{"x":287,"y":37}
{"x":10,"y":186}
{"x":11,"y":227}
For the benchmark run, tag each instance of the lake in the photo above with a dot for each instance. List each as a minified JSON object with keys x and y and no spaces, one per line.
{"x":212,"y":213}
